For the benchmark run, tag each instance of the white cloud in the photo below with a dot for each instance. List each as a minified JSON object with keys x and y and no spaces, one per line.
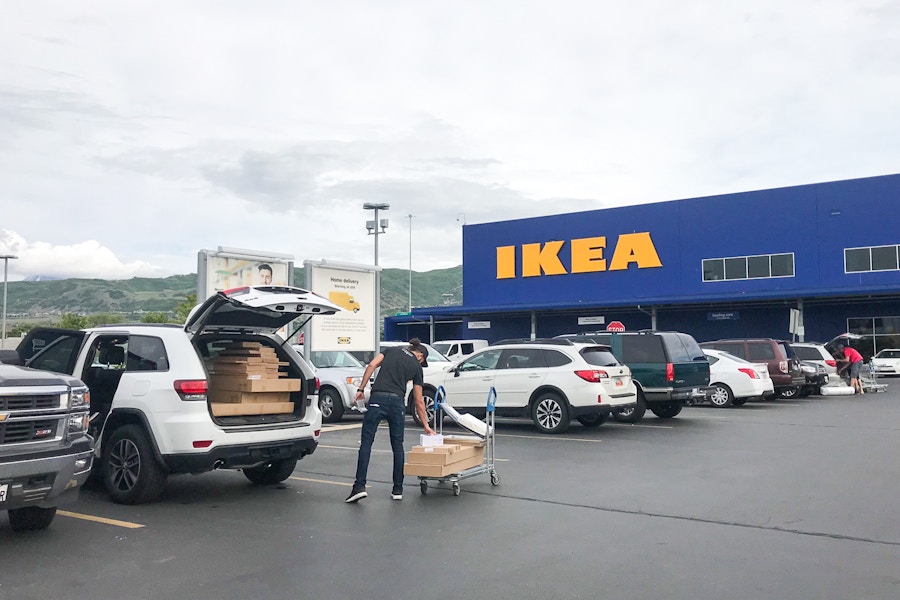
{"x":138,"y":133}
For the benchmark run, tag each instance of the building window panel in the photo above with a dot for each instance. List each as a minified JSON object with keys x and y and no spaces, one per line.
{"x":758,"y":266}
{"x":782,"y":265}
{"x":857,"y":260}
{"x":887,"y":325}
{"x":713,"y":269}
{"x":736,"y":268}
{"x":884,"y":258}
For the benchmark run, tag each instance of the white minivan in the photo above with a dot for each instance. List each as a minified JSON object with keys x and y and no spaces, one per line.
{"x":456,"y":349}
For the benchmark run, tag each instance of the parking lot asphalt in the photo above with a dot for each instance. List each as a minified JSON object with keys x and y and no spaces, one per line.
{"x":783,"y":499}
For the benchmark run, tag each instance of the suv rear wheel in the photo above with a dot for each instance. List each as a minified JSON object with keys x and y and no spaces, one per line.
{"x":634,"y":413}
{"x":331,"y":405}
{"x":790,"y":392}
{"x":31,"y":518}
{"x":593,"y":420}
{"x":271,"y":473}
{"x":666,"y":410}
{"x":550,"y":413}
{"x":130,"y":471}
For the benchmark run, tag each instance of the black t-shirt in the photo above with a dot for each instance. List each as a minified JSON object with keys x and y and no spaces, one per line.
{"x":399,"y":366}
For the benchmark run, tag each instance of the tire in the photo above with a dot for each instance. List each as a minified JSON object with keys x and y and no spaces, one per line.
{"x":550,"y":413}
{"x":632,"y":415}
{"x":666,"y":410}
{"x":721,"y":395}
{"x":31,"y":518}
{"x":331,"y":405}
{"x":271,"y":473}
{"x":595,"y":420}
{"x":131,"y":473}
{"x":790,"y":392}
{"x":805,"y":391}
{"x":428,"y":396}
{"x":739,"y":401}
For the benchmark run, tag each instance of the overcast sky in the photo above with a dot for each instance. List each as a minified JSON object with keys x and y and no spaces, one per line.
{"x":133,"y":134}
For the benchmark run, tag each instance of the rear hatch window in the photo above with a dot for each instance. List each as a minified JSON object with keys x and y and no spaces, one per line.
{"x":599,"y":356}
{"x":642,"y":349}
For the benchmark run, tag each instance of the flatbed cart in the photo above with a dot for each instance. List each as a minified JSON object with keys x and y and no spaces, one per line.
{"x":487,"y":466}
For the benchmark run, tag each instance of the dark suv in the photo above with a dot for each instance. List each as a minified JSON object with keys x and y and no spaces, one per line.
{"x":784,"y":366}
{"x":668,"y":367}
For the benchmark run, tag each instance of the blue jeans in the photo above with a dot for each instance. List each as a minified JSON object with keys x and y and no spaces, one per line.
{"x":392,"y":409}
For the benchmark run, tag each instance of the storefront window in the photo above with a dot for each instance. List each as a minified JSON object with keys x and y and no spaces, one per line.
{"x":736,"y":268}
{"x":782,"y":265}
{"x":758,"y":266}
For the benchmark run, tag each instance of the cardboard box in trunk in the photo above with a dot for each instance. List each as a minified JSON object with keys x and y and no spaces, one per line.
{"x":253,"y":383}
{"x":442,"y":455}
{"x":441,"y":470}
{"x":234,"y":397}
{"x":220,"y":409}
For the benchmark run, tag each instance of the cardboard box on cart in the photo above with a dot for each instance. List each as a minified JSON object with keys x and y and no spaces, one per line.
{"x":440,"y":461}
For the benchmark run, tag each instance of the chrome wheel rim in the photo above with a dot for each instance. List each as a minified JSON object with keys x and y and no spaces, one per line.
{"x":549,"y":413}
{"x":719,"y":396}
{"x":125,"y":465}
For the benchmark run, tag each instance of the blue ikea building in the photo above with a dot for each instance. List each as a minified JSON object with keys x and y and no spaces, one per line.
{"x":804,"y":262}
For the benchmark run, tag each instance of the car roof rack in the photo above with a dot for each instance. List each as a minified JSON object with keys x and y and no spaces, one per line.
{"x":553,"y":341}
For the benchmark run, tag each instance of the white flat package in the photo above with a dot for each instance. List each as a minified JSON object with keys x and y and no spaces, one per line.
{"x":465,"y":420}
{"x":430,"y":440}
{"x":837,"y":390}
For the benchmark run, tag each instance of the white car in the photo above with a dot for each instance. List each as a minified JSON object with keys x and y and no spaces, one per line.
{"x":887,"y":362}
{"x":549,"y":381}
{"x":340,"y":375}
{"x":159,"y":404}
{"x":457,"y":349}
{"x":819,"y":354}
{"x":733,"y":381}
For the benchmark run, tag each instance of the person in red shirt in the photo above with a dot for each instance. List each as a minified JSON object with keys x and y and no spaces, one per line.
{"x":854,"y":361}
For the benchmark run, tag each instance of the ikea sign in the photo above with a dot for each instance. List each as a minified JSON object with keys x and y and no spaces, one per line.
{"x":585,"y":255}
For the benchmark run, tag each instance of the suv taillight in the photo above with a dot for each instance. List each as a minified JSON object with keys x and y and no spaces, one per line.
{"x":783,"y":366}
{"x":318,"y":384}
{"x":752,"y":374}
{"x":191,"y":389}
{"x":593,"y":376}
{"x":670,"y":372}
{"x":831,"y":363}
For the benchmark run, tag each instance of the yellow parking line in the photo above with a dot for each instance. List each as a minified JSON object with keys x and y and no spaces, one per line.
{"x":103,"y":520}
{"x":354,"y":449}
{"x":345,"y":484}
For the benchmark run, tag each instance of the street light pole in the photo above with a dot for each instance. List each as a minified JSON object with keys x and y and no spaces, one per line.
{"x":410,"y":261}
{"x":376,"y":226}
{"x":6,"y":258}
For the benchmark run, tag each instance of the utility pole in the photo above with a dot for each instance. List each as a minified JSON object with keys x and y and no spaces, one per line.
{"x":6,"y":258}
{"x":410,"y":261}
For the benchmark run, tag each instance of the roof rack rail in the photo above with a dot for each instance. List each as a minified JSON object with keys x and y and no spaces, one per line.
{"x":554,"y":341}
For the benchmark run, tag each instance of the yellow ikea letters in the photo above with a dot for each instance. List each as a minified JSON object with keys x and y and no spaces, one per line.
{"x":586,"y":256}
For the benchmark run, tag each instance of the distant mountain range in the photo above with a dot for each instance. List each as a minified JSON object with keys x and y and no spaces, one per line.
{"x":40,"y":297}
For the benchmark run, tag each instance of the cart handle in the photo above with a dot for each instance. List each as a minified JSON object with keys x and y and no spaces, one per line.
{"x":491,"y":399}
{"x":439,"y":396}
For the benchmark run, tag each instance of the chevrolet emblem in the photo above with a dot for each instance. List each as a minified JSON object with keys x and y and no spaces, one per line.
{"x":4,"y":416}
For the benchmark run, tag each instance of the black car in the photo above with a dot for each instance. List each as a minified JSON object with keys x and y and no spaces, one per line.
{"x":816,"y":377}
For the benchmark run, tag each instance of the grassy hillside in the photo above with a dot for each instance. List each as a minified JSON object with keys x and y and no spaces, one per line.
{"x":38,"y":299}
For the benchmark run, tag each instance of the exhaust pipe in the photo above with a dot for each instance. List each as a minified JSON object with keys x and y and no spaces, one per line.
{"x":218,"y":464}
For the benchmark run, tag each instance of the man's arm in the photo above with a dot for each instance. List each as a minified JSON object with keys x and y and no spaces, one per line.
{"x":420,"y":408}
{"x":370,"y":368}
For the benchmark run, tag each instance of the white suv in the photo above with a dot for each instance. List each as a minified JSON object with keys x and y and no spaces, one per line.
{"x":549,"y":381}
{"x":155,"y":395}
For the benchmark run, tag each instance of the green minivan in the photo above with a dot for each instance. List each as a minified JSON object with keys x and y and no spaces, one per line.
{"x":669,"y":368}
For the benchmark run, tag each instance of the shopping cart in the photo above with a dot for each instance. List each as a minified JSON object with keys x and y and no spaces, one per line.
{"x":485,"y":433}
{"x":868,"y":381}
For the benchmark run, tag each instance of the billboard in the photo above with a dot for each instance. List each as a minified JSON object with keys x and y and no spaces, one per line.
{"x":228,"y":268}
{"x":354,"y":288}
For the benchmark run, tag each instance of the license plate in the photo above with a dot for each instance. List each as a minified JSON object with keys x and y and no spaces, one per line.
{"x":3,"y":490}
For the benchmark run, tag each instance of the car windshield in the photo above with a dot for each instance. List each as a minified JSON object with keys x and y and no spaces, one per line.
{"x":335,"y":358}
{"x":442,"y":348}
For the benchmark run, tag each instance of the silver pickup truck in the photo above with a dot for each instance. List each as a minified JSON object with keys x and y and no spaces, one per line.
{"x":45,"y":450}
